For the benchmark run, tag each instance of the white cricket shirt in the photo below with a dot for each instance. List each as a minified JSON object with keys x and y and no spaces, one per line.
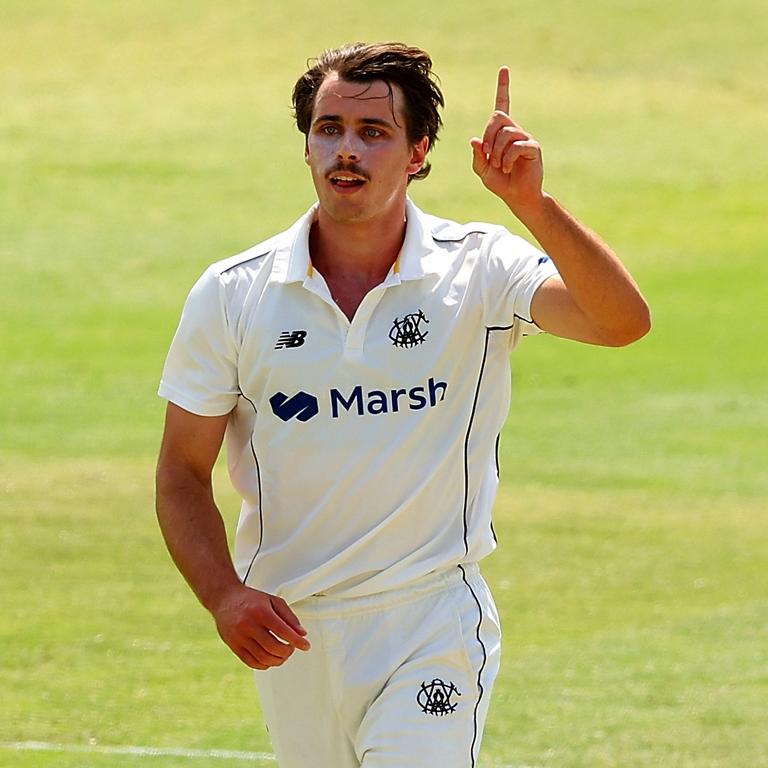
{"x":364,"y":451}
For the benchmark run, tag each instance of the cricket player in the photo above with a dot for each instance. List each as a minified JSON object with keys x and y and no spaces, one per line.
{"x":358,"y":365}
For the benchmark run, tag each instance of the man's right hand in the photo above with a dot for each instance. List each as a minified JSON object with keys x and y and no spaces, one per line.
{"x":260,"y":629}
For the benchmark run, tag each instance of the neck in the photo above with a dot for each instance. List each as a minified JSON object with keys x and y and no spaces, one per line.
{"x":359,"y":251}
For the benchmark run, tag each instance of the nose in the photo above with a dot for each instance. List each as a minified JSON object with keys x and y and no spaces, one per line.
{"x":349,"y":147}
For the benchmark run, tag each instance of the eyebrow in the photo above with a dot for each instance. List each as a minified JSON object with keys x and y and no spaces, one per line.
{"x":364,"y":120}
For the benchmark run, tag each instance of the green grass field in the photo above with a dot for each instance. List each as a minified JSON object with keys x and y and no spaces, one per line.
{"x":140,"y":142}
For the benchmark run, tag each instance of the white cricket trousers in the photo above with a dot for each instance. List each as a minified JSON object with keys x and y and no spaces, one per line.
{"x":400,"y":679}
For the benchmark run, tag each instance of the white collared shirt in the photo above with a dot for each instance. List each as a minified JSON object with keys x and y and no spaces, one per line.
{"x":364,"y":451}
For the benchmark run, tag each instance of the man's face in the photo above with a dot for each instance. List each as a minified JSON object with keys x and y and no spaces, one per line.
{"x":358,"y":149}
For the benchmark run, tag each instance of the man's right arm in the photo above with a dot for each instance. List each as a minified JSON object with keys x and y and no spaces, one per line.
{"x":259,"y":628}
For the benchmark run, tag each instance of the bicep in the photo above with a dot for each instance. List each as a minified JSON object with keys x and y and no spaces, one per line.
{"x":191,"y":442}
{"x":554,"y":311}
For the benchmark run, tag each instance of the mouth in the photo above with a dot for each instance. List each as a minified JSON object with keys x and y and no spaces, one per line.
{"x":346,"y":180}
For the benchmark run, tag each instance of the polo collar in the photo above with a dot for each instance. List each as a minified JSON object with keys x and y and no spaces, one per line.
{"x":418,"y":257}
{"x":292,"y":262}
{"x":415,"y":260}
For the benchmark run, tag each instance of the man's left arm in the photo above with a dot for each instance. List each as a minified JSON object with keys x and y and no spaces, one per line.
{"x":594,"y":299}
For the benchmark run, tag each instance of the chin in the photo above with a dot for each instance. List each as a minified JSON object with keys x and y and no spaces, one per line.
{"x":347,"y":211}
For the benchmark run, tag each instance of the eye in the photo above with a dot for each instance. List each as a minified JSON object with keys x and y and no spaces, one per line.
{"x":329,"y":130}
{"x":372,"y":133}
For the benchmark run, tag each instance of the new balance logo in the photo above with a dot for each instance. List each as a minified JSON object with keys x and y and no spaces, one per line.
{"x":290,"y":339}
{"x":302,"y":405}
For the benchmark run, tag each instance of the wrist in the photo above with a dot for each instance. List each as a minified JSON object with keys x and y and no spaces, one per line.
{"x":533,"y":209}
{"x":216,"y":597}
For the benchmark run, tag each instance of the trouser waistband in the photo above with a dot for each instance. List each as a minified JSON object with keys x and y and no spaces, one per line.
{"x":327,"y":606}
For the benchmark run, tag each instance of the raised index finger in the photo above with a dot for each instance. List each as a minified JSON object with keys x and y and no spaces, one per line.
{"x":502,"y":91}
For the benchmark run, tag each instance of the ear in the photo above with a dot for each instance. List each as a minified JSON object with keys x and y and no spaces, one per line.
{"x":418,"y":155}
{"x":306,"y":151}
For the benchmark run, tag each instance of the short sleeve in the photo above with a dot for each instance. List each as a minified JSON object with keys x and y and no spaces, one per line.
{"x":200,"y":372}
{"x":514,"y":269}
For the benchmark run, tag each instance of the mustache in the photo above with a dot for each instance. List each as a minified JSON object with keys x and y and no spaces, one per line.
{"x":353,"y":168}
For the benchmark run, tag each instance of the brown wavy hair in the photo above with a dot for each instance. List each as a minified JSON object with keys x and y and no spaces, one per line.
{"x":396,"y":64}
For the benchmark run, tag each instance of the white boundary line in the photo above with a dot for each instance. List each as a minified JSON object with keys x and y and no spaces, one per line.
{"x":210,"y":754}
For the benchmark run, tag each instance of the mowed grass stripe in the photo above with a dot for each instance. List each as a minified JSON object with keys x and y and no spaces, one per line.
{"x":620,"y":615}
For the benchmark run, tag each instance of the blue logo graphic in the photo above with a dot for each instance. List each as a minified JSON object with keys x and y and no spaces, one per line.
{"x":302,"y":405}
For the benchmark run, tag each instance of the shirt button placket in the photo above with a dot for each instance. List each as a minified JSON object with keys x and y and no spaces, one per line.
{"x":353,"y":346}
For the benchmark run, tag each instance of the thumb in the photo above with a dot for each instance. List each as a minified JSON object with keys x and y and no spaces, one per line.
{"x":479,"y":159}
{"x":287,"y":615}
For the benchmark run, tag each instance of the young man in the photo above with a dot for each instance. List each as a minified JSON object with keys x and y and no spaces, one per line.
{"x":359,"y":365}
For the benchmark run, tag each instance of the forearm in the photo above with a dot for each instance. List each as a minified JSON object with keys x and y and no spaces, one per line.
{"x":596,"y":300}
{"x":195,"y":535}
{"x":597,"y":281}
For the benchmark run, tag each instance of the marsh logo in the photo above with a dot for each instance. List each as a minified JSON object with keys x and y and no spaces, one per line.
{"x":303,"y":406}
{"x":377,"y":401}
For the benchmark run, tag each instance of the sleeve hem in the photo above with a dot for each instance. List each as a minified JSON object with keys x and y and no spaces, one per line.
{"x":541,"y":277}
{"x":194,"y":405}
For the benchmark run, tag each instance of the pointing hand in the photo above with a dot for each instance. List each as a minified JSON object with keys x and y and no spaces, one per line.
{"x":508,"y":159}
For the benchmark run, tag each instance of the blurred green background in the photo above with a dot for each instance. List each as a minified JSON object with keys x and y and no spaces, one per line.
{"x":141,"y":141}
